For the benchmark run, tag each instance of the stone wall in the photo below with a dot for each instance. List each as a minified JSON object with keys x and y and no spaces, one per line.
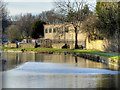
{"x":27,"y":45}
{"x":24,"y":45}
{"x":96,"y":45}
{"x":103,"y":45}
{"x":59,"y":45}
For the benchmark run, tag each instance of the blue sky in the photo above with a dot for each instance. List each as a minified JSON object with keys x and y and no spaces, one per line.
{"x":16,"y":7}
{"x":28,"y":7}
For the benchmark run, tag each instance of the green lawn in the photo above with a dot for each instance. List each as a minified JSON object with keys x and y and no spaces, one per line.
{"x":115,"y":56}
{"x":112,"y":55}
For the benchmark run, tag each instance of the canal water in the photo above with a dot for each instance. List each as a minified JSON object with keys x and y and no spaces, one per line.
{"x":35,"y":70}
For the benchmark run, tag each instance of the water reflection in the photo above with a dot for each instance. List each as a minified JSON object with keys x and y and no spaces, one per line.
{"x":3,"y":63}
{"x":50,"y":75}
{"x":34,"y":70}
{"x":15,"y":59}
{"x":76,"y":59}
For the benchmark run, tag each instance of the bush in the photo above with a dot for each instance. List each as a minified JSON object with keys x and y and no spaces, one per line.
{"x":81,"y":47}
{"x":66,"y":46}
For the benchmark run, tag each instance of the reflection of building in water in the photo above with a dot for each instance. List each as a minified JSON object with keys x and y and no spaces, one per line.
{"x":55,"y":58}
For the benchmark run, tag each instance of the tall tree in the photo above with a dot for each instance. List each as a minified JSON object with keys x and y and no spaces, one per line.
{"x":37,"y":29}
{"x":4,"y":16}
{"x":89,"y":26}
{"x":108,"y":25}
{"x":75,"y":12}
{"x":107,"y":13}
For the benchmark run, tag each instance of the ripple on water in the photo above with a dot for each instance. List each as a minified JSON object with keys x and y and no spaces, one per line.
{"x":53,"y":68}
{"x":50,"y":75}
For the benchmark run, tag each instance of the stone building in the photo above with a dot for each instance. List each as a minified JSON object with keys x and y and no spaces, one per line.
{"x":61,"y":34}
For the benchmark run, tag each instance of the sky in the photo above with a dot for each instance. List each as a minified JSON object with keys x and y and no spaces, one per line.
{"x":16,"y":7}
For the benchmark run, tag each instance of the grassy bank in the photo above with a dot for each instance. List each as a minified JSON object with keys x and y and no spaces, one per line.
{"x":112,"y":55}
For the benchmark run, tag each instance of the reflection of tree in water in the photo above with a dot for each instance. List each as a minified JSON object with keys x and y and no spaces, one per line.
{"x":76,"y":76}
{"x":18,"y":58}
{"x":3,"y":63}
{"x":65,"y":58}
{"x":76,"y":61}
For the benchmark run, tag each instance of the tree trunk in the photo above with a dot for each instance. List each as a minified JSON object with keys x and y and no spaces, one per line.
{"x":76,"y":41}
{"x":35,"y":44}
{"x":86,"y":41}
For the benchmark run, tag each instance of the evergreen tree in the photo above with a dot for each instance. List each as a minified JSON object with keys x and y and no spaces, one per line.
{"x":37,"y":29}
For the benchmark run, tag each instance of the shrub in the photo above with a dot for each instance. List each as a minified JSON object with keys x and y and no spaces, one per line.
{"x":66,"y":46}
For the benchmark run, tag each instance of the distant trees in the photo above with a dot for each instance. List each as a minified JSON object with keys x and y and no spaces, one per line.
{"x":51,"y":17}
{"x":21,"y":26}
{"x":30,"y":26}
{"x":75,"y":12}
{"x":24,"y":24}
{"x":26,"y":27}
{"x":13,"y":33}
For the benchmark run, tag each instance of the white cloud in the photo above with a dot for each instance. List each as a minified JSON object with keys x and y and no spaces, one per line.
{"x":14,"y":11}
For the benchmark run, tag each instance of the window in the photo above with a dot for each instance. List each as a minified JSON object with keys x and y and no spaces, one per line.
{"x":54,"y":30}
{"x":50,"y":30}
{"x":66,"y":29}
{"x":46,"y":31}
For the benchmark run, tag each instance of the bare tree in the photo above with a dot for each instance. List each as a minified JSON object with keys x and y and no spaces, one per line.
{"x":75,"y":12}
{"x":50,"y":17}
{"x":89,"y":26}
{"x":24,"y":24}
